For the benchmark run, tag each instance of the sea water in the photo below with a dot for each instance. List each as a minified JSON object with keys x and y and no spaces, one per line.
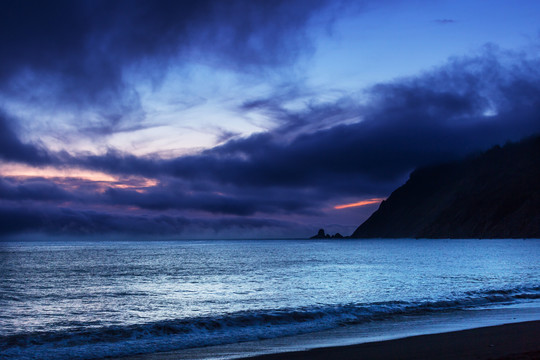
{"x":91,"y":299}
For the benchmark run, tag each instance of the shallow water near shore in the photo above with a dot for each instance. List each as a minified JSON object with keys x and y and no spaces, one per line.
{"x":75,"y":299}
{"x":399,"y":327}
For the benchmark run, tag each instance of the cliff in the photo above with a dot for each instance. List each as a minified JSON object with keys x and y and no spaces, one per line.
{"x":492,"y":195}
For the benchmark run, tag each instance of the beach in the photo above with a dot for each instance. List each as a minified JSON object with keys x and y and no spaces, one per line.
{"x":509,"y":342}
{"x":210,"y":300}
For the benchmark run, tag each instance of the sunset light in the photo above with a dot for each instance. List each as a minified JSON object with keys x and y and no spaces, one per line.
{"x":360,"y":203}
{"x":70,"y":177}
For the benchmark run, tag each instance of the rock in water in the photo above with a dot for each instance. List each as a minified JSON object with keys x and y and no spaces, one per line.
{"x":320,"y":235}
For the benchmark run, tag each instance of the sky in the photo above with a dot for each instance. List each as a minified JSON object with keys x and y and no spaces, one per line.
{"x":247,"y":119}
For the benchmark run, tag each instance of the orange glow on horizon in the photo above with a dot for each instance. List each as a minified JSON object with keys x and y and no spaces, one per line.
{"x":138,"y":183}
{"x":360,"y":203}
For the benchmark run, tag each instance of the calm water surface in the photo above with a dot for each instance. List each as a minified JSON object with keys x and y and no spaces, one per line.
{"x":91,"y":299}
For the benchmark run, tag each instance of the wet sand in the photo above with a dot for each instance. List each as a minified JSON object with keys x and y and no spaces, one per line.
{"x":513,"y":341}
{"x":517,"y":341}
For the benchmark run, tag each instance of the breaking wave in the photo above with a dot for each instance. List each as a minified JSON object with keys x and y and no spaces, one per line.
{"x":81,"y":342}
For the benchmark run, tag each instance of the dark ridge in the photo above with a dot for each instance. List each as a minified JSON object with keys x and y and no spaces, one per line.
{"x":492,"y":195}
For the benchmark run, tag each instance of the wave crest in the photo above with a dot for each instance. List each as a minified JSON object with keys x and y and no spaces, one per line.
{"x":83,"y":343}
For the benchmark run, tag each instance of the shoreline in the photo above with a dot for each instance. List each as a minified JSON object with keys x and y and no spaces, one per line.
{"x":502,"y":342}
{"x":513,"y":341}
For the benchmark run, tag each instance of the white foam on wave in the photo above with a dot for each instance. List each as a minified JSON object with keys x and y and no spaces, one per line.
{"x":81,"y":343}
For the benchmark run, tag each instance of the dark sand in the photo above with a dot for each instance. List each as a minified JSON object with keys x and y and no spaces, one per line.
{"x":513,"y":341}
{"x":518,"y":341}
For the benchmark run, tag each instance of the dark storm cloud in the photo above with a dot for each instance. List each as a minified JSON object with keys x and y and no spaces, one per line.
{"x":468,"y":105}
{"x":78,"y":52}
{"x":167,"y":195}
{"x":465,"y":106}
{"x":78,"y":55}
{"x":12,"y":149}
{"x":32,"y":189}
{"x":59,"y":220}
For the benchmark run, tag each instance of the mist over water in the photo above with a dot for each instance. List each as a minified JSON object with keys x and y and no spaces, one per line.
{"x":93,"y":299}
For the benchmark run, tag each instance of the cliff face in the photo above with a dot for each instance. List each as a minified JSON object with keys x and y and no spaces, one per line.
{"x":492,"y":195}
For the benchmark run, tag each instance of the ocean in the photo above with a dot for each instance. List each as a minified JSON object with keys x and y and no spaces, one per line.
{"x":75,"y":299}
